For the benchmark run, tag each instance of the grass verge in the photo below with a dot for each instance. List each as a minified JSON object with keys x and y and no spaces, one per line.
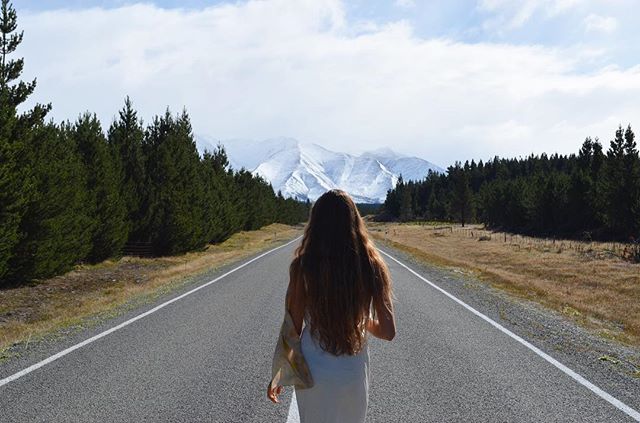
{"x":90,"y":293}
{"x":584,"y":282}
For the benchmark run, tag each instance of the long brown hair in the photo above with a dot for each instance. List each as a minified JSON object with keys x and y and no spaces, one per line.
{"x":341,"y":272}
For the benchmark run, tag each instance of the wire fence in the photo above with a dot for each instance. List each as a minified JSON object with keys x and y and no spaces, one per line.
{"x":138,"y":249}
{"x":629,"y":251}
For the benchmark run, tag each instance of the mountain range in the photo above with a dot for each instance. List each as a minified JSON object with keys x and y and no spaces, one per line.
{"x":305,"y":171}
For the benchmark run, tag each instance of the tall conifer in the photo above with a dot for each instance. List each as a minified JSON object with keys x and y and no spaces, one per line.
{"x":16,"y":180}
{"x":56,"y":225}
{"x":461,"y":196}
{"x":105,"y":204}
{"x":618,"y":213}
{"x":632,"y":182}
{"x":126,"y":137}
{"x":175,"y":210}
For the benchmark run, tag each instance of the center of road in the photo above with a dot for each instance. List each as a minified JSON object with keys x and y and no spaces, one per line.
{"x":293,"y":416}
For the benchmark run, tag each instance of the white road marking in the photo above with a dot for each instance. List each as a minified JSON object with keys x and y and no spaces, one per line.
{"x":634,"y":414}
{"x":293,"y":416}
{"x":128,"y":322}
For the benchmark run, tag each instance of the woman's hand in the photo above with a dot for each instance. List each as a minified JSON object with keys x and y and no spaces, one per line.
{"x":384,"y":327}
{"x":272,"y":393}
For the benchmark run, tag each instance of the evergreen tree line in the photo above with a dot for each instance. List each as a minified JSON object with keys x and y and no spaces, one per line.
{"x":591,"y":194}
{"x":72,"y":193}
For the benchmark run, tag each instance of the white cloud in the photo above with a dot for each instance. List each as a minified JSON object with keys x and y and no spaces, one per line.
{"x":267,"y":68}
{"x":407,"y":4}
{"x":597,"y":23}
{"x":514,"y":14}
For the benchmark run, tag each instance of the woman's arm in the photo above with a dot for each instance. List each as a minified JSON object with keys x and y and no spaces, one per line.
{"x":384,"y":327}
{"x":295,"y":300}
{"x":295,"y":304}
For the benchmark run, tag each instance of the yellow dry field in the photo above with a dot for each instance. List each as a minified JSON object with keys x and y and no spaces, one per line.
{"x":589,"y":282}
{"x":31,"y":311}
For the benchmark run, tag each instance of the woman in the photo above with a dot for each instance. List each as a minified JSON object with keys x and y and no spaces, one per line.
{"x":337,"y":279}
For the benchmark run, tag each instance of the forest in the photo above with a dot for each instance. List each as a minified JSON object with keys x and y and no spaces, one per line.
{"x":72,"y":192}
{"x":589,"y":195}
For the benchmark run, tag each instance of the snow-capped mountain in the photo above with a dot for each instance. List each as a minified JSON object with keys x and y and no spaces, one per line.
{"x":306,"y":171}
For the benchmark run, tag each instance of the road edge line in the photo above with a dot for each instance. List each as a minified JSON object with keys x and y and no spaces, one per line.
{"x":94,"y":338}
{"x":634,"y":414}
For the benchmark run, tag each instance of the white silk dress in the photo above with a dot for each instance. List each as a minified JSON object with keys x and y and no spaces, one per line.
{"x":340,"y":392}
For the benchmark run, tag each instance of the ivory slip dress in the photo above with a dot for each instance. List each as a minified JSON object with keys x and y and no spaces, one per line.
{"x":340,"y":392}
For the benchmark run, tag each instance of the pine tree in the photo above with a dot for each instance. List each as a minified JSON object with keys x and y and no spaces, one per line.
{"x":582,"y":194}
{"x":580,"y":201}
{"x":126,"y":137}
{"x":105,"y":205}
{"x":632,"y":185}
{"x":552,"y":203}
{"x":16,"y":180}
{"x":233,"y":219}
{"x":256,"y":200}
{"x":13,"y":192}
{"x":175,"y":210}
{"x":588,"y":194}
{"x":618,"y":212}
{"x":401,"y":207}
{"x":391,"y":206}
{"x":220,"y":220}
{"x":193,"y":183}
{"x":585,"y":156}
{"x":406,"y":210}
{"x":56,"y":226}
{"x":460,"y":194}
{"x":14,"y":92}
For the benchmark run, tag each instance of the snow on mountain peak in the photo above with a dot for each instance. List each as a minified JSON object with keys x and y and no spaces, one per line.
{"x":384,"y":153}
{"x":306,"y":171}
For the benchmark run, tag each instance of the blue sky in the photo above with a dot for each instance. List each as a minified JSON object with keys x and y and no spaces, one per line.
{"x":458,"y":19}
{"x":446,"y":80}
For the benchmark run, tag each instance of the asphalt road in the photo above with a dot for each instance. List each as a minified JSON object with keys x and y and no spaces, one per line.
{"x":207,"y":356}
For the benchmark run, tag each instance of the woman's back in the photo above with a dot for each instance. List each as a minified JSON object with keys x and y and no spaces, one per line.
{"x":341,"y":383}
{"x":340,"y":289}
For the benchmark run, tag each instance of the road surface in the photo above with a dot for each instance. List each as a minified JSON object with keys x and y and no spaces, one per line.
{"x":206,"y":357}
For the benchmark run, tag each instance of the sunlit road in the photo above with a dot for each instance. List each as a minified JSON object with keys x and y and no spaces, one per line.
{"x":207,"y":357}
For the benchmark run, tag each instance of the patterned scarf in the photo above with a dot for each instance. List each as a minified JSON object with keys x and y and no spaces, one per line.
{"x":289,"y":366}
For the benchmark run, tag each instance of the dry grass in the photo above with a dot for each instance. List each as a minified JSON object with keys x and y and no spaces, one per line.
{"x":589,"y":282}
{"x":42,"y":307}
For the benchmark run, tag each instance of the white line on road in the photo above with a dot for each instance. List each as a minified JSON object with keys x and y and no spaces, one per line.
{"x":293,"y":416}
{"x":128,"y":322}
{"x":575,"y":376}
